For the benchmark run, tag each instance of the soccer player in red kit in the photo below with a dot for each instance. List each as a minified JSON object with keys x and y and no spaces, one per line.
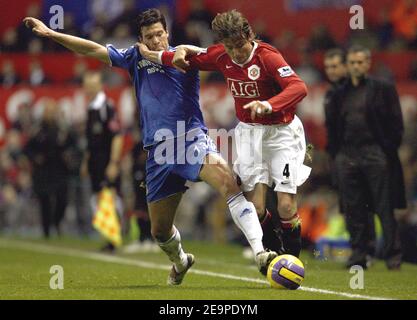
{"x":266,"y":91}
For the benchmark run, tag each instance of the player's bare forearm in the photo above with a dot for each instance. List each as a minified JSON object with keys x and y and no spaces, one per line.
{"x":75,"y":44}
{"x":116,"y":148}
{"x":153,"y":56}
{"x":82,"y":46}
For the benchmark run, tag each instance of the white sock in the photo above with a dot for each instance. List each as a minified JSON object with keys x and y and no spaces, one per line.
{"x":245,"y":217}
{"x":174,"y":251}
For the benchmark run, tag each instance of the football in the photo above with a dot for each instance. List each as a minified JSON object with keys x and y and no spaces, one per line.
{"x":285,"y":272}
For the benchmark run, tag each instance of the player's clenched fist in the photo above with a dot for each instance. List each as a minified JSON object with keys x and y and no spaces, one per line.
{"x":37,"y":26}
{"x":179,"y":61}
{"x":258,"y":108}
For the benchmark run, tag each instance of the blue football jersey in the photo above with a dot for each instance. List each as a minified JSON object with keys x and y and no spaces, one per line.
{"x":168,"y":99}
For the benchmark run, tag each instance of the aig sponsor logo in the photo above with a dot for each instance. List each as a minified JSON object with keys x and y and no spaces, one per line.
{"x":243,"y":89}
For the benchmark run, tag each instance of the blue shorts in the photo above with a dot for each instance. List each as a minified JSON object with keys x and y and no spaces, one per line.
{"x":172,"y":162}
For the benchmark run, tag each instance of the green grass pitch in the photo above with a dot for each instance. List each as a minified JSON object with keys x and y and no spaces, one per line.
{"x":220,"y":272}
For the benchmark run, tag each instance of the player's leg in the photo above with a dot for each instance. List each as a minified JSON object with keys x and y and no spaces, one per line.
{"x":217,"y":173}
{"x":375,"y":165}
{"x":353,"y":186}
{"x":162,"y":214}
{"x":253,"y":174}
{"x":290,"y":223}
{"x":286,"y":149}
{"x":164,"y":192}
{"x":265,"y":201}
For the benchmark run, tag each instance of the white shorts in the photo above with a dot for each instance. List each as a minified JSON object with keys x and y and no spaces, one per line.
{"x":271,"y":154}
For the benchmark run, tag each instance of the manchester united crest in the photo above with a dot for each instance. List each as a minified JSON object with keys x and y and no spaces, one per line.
{"x":254,"y":72}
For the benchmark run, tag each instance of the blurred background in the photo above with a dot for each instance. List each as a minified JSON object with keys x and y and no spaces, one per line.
{"x":35,"y":73}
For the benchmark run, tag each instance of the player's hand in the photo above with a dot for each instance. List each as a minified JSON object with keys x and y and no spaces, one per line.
{"x":258,"y":109}
{"x":143,"y":49}
{"x":38,"y":27}
{"x":84,"y":169}
{"x":112,"y":171}
{"x":179,"y":61}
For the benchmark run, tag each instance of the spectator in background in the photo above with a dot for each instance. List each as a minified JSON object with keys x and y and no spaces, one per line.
{"x":35,"y":47}
{"x":285,"y":41}
{"x":383,"y":72}
{"x":49,"y":151}
{"x":320,"y":39}
{"x":145,"y":243}
{"x":337,"y":75}
{"x":104,"y":143}
{"x":365,"y":123}
{"x":8,"y":76}
{"x":364,"y":37}
{"x":413,"y":70}
{"x":37,"y":76}
{"x":307,"y":70}
{"x":127,"y":16}
{"x":260,"y":29}
{"x":404,"y":20}
{"x":24,"y":35}
{"x":9,"y":41}
{"x":384,"y":29}
{"x":70,"y":25}
{"x":105,"y":11}
{"x":198,"y":24}
{"x":121,"y":36}
{"x":79,"y":69}
{"x":23,"y":121}
{"x":98,"y":34}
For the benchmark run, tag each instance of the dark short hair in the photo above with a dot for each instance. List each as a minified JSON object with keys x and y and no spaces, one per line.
{"x":150,"y":17}
{"x":359,"y":48}
{"x":232,"y":25}
{"x":336,"y":52}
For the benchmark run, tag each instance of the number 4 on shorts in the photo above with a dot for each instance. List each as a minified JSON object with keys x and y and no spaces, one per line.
{"x":286,"y":172}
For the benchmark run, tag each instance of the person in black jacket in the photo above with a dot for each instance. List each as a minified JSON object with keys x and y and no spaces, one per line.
{"x":337,"y":75}
{"x":49,"y":150}
{"x":365,"y":128}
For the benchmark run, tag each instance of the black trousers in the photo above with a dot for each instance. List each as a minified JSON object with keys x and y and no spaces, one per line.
{"x":363,"y":179}
{"x":52,"y":205}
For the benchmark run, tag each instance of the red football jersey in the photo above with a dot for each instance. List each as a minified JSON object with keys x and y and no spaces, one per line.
{"x":266,"y":76}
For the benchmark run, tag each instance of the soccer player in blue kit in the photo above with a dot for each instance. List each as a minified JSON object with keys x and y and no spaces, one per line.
{"x":170,"y":114}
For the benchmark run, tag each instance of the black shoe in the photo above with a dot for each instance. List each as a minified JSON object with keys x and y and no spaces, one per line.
{"x":291,"y":239}
{"x":394,"y":262}
{"x":272,"y":238}
{"x":357,"y":259}
{"x":108,"y":248}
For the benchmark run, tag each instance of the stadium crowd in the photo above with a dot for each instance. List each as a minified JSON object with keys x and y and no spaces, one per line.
{"x":202,"y":210}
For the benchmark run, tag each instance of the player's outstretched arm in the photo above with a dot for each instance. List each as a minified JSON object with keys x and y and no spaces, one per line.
{"x":177,"y":60}
{"x":75,"y":44}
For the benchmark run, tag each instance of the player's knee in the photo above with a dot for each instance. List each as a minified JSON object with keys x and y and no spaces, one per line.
{"x":260,"y":209}
{"x":286,"y":209}
{"x":229,"y":185}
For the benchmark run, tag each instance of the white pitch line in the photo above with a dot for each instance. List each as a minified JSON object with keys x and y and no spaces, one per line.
{"x":150,"y":265}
